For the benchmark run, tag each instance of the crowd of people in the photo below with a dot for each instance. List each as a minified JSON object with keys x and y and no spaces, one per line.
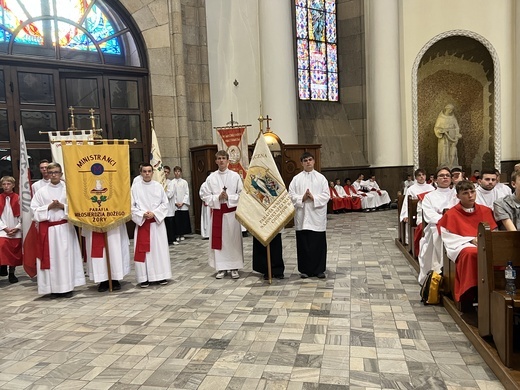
{"x":360,"y":195}
{"x":161,"y":217}
{"x":449,"y":210}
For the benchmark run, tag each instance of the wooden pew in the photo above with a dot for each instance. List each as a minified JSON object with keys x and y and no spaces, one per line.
{"x":412,"y":224}
{"x":400,"y":225}
{"x":495,"y":307}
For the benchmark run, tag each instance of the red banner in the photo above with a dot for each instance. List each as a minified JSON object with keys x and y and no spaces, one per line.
{"x":234,"y":141}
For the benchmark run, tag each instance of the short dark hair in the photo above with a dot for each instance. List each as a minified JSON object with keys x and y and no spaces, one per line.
{"x":487,"y":171}
{"x":419,"y":171}
{"x":306,"y":155}
{"x":43,"y":161}
{"x":347,"y":179}
{"x":456,"y":169}
{"x":177,"y":168}
{"x":145,"y":165}
{"x":167,"y":167}
{"x":222,"y":153}
{"x":464,"y":185}
{"x":441,"y":169}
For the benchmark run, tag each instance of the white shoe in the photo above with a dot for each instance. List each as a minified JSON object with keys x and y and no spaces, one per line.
{"x":235,"y":274}
{"x":176,"y":243}
{"x":182,"y":238}
{"x":220,"y":274}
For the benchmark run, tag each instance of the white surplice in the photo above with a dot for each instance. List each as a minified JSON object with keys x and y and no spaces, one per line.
{"x":231,"y":256}
{"x":205,"y":214}
{"x":414,"y":191}
{"x":310,"y":215}
{"x":39,"y":184}
{"x":178,"y":191}
{"x":373,"y":187}
{"x":368,"y":200}
{"x":430,"y":252}
{"x":66,"y":266}
{"x":150,"y":196}
{"x":118,"y":252}
{"x":487,"y":197}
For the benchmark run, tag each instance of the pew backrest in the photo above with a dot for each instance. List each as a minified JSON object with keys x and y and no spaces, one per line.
{"x":495,"y":249}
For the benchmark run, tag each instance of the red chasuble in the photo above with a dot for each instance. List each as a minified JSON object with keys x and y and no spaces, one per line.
{"x":462,"y":223}
{"x":355,"y":201}
{"x":10,"y":248}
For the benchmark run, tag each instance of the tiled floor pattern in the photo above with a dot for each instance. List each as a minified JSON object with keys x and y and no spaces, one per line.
{"x":362,"y":328}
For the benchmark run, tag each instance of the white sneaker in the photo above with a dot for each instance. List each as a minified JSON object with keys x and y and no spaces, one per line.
{"x":182,"y":238}
{"x":235,"y":274}
{"x":220,"y":274}
{"x":176,"y":243}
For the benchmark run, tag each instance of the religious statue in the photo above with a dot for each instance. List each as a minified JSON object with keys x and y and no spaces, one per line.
{"x":448,"y":133}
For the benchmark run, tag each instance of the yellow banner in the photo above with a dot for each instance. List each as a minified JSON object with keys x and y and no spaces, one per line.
{"x":98,"y":184}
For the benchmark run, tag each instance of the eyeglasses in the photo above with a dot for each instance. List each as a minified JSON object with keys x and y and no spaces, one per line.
{"x":54,"y":173}
{"x":443,"y":175}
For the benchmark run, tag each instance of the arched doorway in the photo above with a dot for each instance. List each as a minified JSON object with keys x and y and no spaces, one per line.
{"x":56,"y":54}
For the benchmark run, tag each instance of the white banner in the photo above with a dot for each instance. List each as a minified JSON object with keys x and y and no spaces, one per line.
{"x":264,"y":207}
{"x":55,"y":138}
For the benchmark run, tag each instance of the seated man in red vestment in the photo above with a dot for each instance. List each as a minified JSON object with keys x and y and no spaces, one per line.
{"x":458,"y":228}
{"x":355,"y":198}
{"x":338,"y":204}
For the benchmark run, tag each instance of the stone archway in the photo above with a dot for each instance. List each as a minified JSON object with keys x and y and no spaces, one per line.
{"x":462,"y":68}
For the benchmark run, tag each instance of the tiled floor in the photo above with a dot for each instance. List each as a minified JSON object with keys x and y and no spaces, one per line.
{"x":362,"y":328}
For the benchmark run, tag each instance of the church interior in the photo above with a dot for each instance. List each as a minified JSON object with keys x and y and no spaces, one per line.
{"x":363,"y":84}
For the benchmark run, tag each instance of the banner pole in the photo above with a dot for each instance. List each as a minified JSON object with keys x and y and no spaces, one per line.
{"x":269,"y":263}
{"x":107,"y":253}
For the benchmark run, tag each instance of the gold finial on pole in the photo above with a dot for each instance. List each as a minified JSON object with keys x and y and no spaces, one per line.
{"x":150,"y":118}
{"x":261,"y":123}
{"x":72,"y":126}
{"x":92,"y":119}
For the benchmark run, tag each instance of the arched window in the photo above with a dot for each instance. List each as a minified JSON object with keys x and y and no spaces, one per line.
{"x":55,"y":54}
{"x":316,"y":43}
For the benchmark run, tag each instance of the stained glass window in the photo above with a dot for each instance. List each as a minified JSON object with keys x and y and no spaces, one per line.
{"x":316,"y":45}
{"x":80,"y":30}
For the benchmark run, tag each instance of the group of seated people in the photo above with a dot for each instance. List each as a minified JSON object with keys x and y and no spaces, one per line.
{"x":360,"y":195}
{"x":449,"y":214}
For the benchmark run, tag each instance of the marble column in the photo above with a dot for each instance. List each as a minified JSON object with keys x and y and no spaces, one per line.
{"x":383,"y":83}
{"x":278,"y":80}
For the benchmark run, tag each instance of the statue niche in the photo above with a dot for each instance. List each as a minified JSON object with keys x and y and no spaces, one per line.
{"x":448,"y":133}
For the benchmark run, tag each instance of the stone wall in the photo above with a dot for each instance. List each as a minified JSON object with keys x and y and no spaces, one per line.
{"x":341,"y":127}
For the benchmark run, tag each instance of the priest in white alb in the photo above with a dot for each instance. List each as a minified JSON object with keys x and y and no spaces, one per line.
{"x":60,"y":267}
{"x":221,"y":192}
{"x":149,"y":208}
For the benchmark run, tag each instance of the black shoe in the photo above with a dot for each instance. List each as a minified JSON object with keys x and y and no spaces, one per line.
{"x":304,"y":276}
{"x":280,"y":276}
{"x":103,"y":286}
{"x":3,"y":270}
{"x":13,"y":278}
{"x":145,"y":284}
{"x":162,"y":282}
{"x":116,"y":285}
{"x":321,"y":275}
{"x":67,"y":294}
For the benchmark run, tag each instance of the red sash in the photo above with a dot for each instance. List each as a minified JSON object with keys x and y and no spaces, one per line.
{"x":216,"y":225}
{"x":142,"y":245}
{"x":98,"y":244}
{"x":43,"y":229}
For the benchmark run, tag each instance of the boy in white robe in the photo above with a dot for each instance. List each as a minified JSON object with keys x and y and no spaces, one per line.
{"x":309,"y":192}
{"x":433,"y":205}
{"x":221,"y":192}
{"x":149,"y":208}
{"x":486,"y":190}
{"x":119,"y":253}
{"x":60,"y":267}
